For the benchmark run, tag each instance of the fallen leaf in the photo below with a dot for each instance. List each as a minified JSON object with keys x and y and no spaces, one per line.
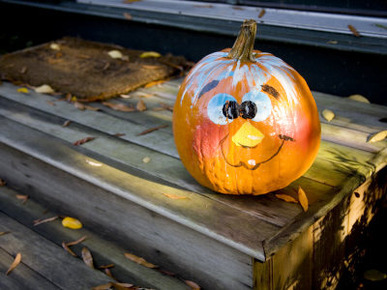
{"x":107,"y":286}
{"x":119,"y":107}
{"x":71,"y":223}
{"x":106,"y":266}
{"x":332,"y":42}
{"x":4,"y":233}
{"x":125,"y":96}
{"x":147,"y":54}
{"x":359,"y":98}
{"x":76,"y":242}
{"x":115,"y":54}
{"x":54,"y":46}
{"x":22,"y":197}
{"x":140,"y":261}
{"x":354,"y":30}
{"x":83,"y":141}
{"x":44,"y":89}
{"x":23,"y":90}
{"x":109,"y":273}
{"x":127,"y":16}
{"x":119,"y":134}
{"x":125,"y":286}
{"x":261,"y":13}
{"x":141,"y":105}
{"x":91,"y":108}
{"x":174,"y":196}
{"x":328,"y":115}
{"x":147,"y":131}
{"x":286,"y":197}
{"x":66,"y":247}
{"x":50,"y":103}
{"x":79,"y":106}
{"x":151,"y":84}
{"x":146,"y":159}
{"x":87,"y":257}
{"x":204,"y":6}
{"x":46,"y":220}
{"x":374,"y":275}
{"x":14,"y":264}
{"x":376,"y":137}
{"x":66,"y":123}
{"x":131,"y":1}
{"x":2,"y":182}
{"x":302,"y":198}
{"x":192,"y":284}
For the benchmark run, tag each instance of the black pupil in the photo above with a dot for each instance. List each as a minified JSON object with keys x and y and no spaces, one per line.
{"x":233,"y":110}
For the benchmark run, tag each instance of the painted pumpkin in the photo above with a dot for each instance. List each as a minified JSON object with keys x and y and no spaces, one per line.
{"x":244,"y":121}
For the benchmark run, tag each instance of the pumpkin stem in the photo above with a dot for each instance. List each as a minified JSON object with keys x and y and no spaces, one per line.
{"x":244,"y":44}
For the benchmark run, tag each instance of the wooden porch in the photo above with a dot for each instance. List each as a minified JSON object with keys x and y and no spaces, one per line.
{"x":133,"y":195}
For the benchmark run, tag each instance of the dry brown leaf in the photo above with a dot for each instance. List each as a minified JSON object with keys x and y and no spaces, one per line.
{"x":4,"y":233}
{"x":302,"y":198}
{"x":261,"y":13}
{"x":174,"y":196}
{"x":141,"y":105}
{"x":79,"y":106}
{"x":87,"y":257}
{"x":76,"y":242}
{"x":106,"y":266}
{"x":42,"y":221}
{"x":91,"y":108}
{"x":376,"y":137}
{"x":119,"y":134}
{"x":131,"y":1}
{"x":119,"y":107}
{"x":328,"y":115}
{"x":140,"y":261}
{"x":147,"y":131}
{"x":124,"y":286}
{"x":66,"y":123}
{"x":83,"y":141}
{"x":359,"y":98}
{"x":66,"y":247}
{"x":354,"y":30}
{"x":106,"y":286}
{"x":192,"y":284}
{"x":2,"y":182}
{"x":286,"y":197}
{"x":14,"y":264}
{"x":22,"y":197}
{"x":109,"y":273}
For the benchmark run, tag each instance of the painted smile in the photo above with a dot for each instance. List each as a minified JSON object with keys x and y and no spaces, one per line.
{"x":252,"y":165}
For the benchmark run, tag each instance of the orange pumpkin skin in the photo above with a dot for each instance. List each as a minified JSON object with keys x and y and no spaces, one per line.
{"x":245,"y":127}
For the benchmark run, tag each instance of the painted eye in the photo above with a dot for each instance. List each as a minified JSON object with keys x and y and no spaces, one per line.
{"x":222,"y":109}
{"x":258,"y":103}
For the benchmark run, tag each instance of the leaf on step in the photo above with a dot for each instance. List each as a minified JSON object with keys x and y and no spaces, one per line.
{"x":71,"y":223}
{"x":76,"y":242}
{"x":127,"y":16}
{"x":54,"y":46}
{"x":2,"y":182}
{"x":23,"y":90}
{"x":14,"y":264}
{"x":22,"y":197}
{"x":141,"y":106}
{"x":147,"y":54}
{"x":42,"y":221}
{"x":262,"y":13}
{"x":174,"y":196}
{"x":125,"y":286}
{"x":106,"y":266}
{"x":87,"y":257}
{"x":119,"y":134}
{"x":302,"y":199}
{"x":91,"y":108}
{"x":359,"y":98}
{"x":119,"y":107}
{"x":376,"y":137}
{"x":154,"y":83}
{"x":328,"y":115}
{"x":66,"y":123}
{"x":68,"y":250}
{"x":109,"y":273}
{"x":131,"y":1}
{"x":115,"y":54}
{"x":4,"y":233}
{"x":79,"y":106}
{"x":107,"y":286}
{"x":146,"y":159}
{"x":374,"y":275}
{"x":44,"y":89}
{"x":286,"y":197}
{"x":354,"y":30}
{"x":192,"y":284}
{"x":139,"y":260}
{"x":83,"y":141}
{"x":147,"y":131}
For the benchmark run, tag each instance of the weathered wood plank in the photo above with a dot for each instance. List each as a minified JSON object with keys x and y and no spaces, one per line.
{"x":22,"y":277}
{"x":48,"y":259}
{"x":104,"y":251}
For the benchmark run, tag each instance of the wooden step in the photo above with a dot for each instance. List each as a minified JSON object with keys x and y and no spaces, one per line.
{"x":156,"y":210}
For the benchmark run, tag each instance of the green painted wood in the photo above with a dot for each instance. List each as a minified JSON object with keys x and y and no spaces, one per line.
{"x":104,"y":251}
{"x":22,"y":277}
{"x":46,"y":258}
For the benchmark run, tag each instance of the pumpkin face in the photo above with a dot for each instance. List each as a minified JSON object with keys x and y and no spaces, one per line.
{"x":245,"y":126}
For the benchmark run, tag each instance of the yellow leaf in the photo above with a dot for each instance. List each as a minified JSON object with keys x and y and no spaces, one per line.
{"x":54,"y":46}
{"x":146,"y":159}
{"x":71,"y":223}
{"x":376,"y":137}
{"x":14,"y":264}
{"x":302,"y":198}
{"x":147,"y":54}
{"x":44,"y":89}
{"x":359,"y":98}
{"x":140,"y":261}
{"x":115,"y":54}
{"x":328,"y":115}
{"x":22,"y":90}
{"x":287,"y":198}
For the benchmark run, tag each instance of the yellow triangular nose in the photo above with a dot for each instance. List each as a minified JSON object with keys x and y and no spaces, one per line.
{"x":247,"y":136}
